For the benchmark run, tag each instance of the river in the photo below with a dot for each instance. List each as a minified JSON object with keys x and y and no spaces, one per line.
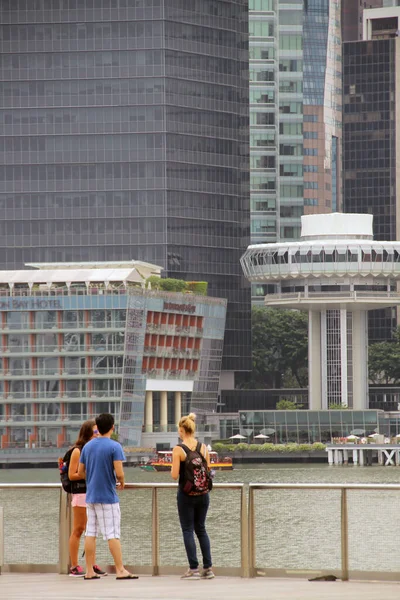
{"x":259,"y":473}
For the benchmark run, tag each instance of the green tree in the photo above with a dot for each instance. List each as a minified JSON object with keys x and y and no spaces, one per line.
{"x":384,"y":361}
{"x":287,"y":405}
{"x":280,"y":348}
{"x":167,"y":284}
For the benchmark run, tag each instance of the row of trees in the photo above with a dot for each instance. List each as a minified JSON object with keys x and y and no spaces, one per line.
{"x":280,"y":352}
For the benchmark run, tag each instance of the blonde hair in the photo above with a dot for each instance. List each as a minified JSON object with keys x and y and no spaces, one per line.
{"x":187,"y":424}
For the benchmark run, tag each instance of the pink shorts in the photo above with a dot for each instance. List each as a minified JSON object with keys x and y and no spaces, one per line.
{"x":79,"y":500}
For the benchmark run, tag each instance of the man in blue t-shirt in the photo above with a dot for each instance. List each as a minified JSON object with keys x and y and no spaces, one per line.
{"x":101,"y":465}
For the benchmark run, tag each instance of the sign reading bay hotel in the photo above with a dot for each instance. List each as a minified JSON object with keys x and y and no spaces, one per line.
{"x":30,"y":304}
{"x":174,"y":306}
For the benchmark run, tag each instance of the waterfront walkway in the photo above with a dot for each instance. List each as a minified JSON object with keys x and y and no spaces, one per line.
{"x":60,"y":587}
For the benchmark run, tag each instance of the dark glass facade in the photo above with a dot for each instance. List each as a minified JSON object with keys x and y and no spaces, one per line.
{"x":369,"y":150}
{"x":125,"y":129}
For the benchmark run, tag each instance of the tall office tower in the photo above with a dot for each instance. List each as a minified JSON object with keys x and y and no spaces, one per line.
{"x":352,"y":17}
{"x":295,"y":116}
{"x":125,"y":131}
{"x":371,"y":135}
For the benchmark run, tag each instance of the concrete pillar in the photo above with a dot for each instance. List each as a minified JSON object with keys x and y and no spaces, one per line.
{"x":360,"y":360}
{"x":343,"y":356}
{"x":345,"y":457}
{"x":178,"y":407}
{"x":362,"y":458}
{"x":163,"y":411}
{"x":336,"y":459}
{"x":330,"y":457}
{"x":314,"y":360}
{"x":148,"y":412}
{"x":323,"y":362}
{"x":355,"y":457}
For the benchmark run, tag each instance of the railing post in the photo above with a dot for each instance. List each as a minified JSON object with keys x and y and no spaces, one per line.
{"x":155,"y":532}
{"x":1,"y":538}
{"x":64,"y":533}
{"x":251,"y":533}
{"x":244,"y":534}
{"x":344,"y":536}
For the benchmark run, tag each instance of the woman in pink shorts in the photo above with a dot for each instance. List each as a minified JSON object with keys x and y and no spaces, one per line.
{"x":86,"y":433}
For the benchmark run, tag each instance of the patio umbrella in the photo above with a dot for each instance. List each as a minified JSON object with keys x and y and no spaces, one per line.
{"x":261,"y":436}
{"x":357,"y":432}
{"x":238,"y":436}
{"x":268,"y":431}
{"x":373,"y":435}
{"x":352,"y":437}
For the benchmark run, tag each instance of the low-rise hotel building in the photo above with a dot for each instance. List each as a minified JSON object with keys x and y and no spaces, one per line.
{"x":81,"y":339}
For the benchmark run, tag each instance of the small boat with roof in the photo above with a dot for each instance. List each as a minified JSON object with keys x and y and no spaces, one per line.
{"x":163,"y":462}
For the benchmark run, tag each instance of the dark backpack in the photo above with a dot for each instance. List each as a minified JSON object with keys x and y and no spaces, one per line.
{"x":196,"y":478}
{"x":71,"y":487}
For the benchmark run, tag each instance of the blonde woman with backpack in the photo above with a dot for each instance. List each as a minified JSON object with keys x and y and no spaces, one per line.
{"x":191,"y":464}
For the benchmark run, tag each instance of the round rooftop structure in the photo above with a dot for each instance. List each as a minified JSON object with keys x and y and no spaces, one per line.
{"x":336,"y":272}
{"x":336,"y":261}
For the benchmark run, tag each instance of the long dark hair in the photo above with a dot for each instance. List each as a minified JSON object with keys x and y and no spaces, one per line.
{"x":85,"y":434}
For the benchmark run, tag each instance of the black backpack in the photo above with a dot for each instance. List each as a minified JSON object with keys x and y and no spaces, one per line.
{"x":71,"y":487}
{"x":196,"y":478}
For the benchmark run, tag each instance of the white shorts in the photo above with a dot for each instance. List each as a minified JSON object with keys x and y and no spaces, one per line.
{"x":104,"y":519}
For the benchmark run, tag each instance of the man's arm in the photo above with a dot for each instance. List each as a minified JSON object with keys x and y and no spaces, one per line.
{"x":119,"y":472}
{"x":82,"y":471}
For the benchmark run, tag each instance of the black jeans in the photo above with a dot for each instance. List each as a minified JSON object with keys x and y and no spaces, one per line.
{"x":192,"y":512}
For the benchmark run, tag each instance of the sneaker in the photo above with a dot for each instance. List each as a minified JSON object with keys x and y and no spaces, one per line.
{"x":99,"y":571}
{"x":191,"y":574}
{"x":76,"y":572}
{"x":207,"y":574}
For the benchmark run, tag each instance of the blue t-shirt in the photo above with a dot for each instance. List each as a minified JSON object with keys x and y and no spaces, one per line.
{"x":98,"y":456}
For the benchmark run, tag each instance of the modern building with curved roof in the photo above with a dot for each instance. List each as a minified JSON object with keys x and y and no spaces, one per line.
{"x":336,"y":272}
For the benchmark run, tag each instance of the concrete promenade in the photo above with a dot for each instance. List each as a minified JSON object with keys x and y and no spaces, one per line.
{"x":61,"y":587}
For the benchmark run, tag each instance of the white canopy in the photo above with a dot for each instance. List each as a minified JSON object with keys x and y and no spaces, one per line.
{"x":48,"y":273}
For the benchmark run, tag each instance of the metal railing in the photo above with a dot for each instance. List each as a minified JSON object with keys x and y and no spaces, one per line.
{"x":277,"y":529}
{"x":355,"y":519}
{"x":34,"y":541}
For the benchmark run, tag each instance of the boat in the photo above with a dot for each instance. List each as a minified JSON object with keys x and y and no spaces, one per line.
{"x":163,"y":462}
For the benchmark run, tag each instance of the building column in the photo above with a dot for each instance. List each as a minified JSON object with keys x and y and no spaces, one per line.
{"x":314,"y":360}
{"x":360,"y":360}
{"x":148,"y":413}
{"x":163,"y":411}
{"x":343,"y":357}
{"x":178,"y":407}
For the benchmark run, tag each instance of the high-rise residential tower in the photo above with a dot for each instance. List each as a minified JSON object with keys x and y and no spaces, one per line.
{"x":295,"y":116}
{"x":125,"y":135}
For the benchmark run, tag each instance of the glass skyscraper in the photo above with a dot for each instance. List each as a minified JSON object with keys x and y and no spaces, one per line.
{"x":295,"y":116}
{"x":125,"y":135}
{"x":370,"y":137}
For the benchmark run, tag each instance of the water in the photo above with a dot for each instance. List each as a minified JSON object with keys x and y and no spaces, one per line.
{"x":260,"y":473}
{"x":295,"y":529}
